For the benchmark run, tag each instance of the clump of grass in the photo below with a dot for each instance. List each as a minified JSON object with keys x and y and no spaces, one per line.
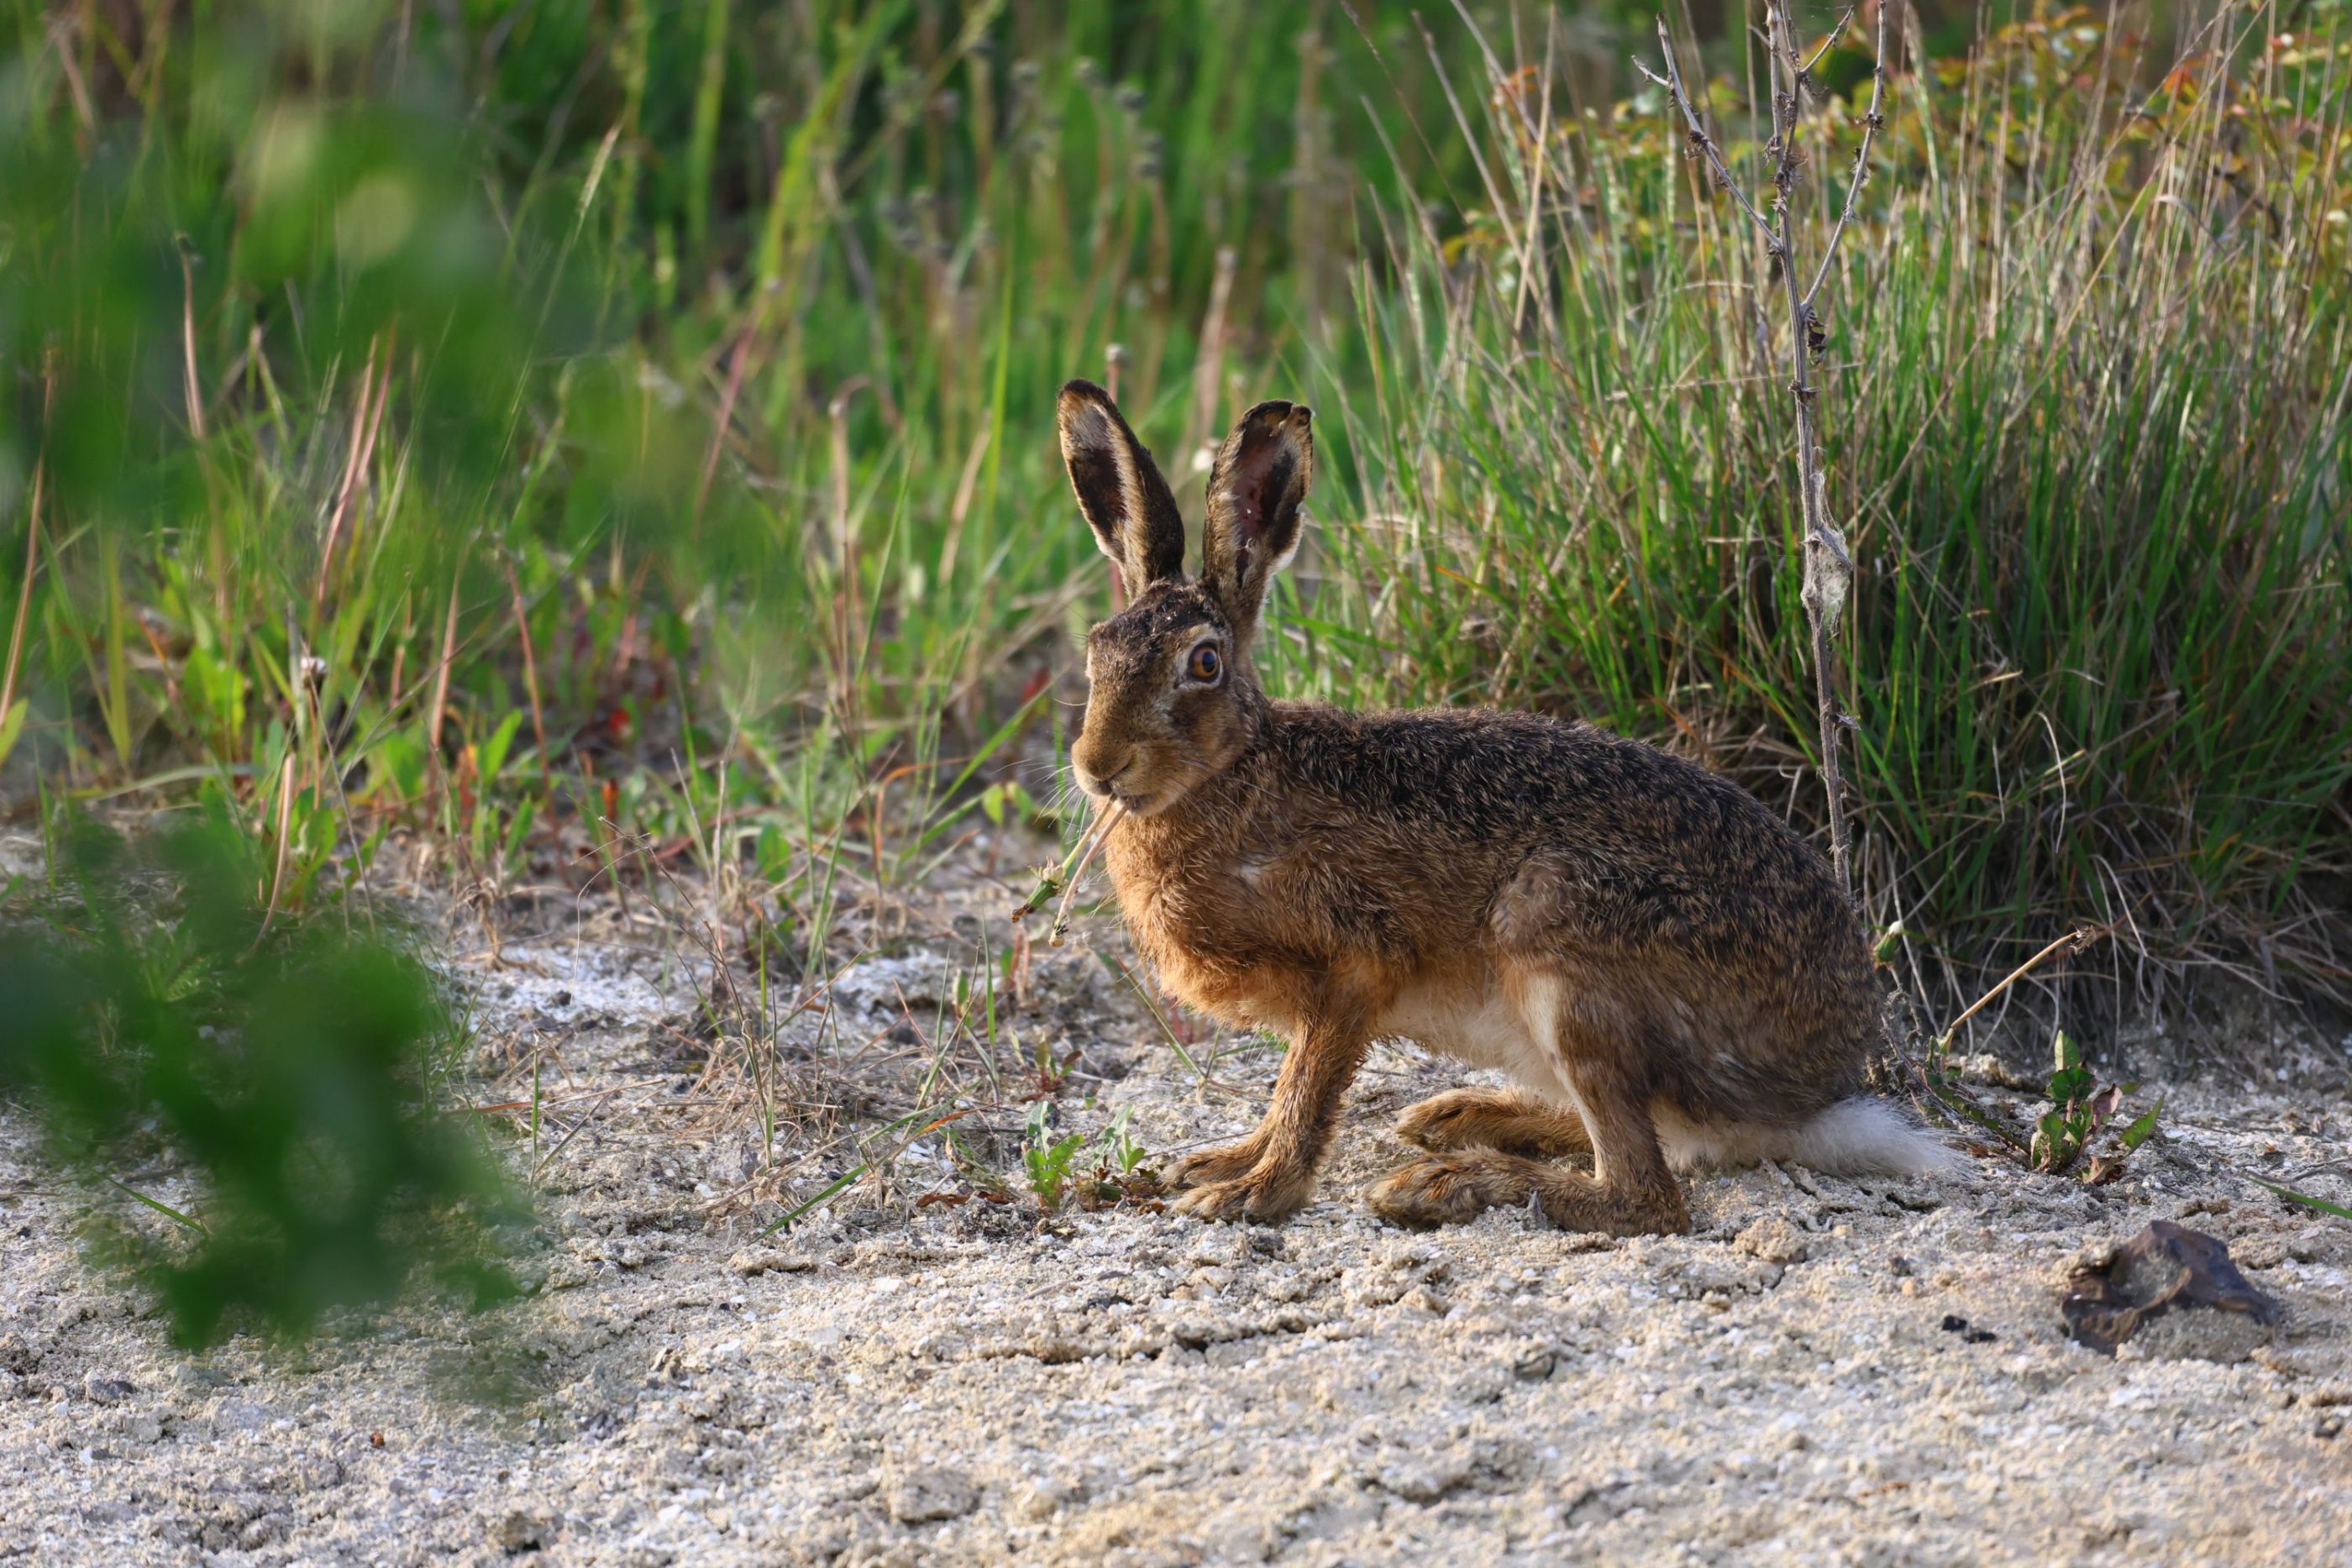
{"x":282,"y":1070}
{"x":2087,"y":409}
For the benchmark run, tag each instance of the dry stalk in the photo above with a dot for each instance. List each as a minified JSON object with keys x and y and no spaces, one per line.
{"x":441,"y":674}
{"x":1064,"y":879}
{"x":738,"y":362}
{"x":1061,"y":926}
{"x":530,"y":661}
{"x":367,"y":422}
{"x":848,"y":606}
{"x":1829,"y":568}
{"x":195,"y":400}
{"x":2066,"y":947}
{"x":32,"y":562}
{"x":23,"y":603}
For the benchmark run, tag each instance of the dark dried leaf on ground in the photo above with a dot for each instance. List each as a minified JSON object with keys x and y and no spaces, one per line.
{"x":2166,"y":1268}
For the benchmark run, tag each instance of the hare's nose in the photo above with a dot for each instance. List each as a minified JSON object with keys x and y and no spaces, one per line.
{"x":1098,"y":778}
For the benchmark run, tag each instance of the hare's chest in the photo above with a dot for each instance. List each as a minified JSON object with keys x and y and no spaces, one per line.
{"x":1208,"y":925}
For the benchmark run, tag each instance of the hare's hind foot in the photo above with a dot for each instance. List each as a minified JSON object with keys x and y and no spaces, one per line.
{"x":1509,"y":1119}
{"x":1448,"y":1189}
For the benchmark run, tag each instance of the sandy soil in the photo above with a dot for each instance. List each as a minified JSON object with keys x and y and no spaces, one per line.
{"x":1825,"y":1370}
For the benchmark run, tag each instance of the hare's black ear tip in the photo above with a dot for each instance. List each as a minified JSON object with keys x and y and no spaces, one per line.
{"x":1087,"y":415}
{"x":1279,"y":411}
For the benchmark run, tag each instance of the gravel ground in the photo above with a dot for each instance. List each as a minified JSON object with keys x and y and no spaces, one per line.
{"x":1826,"y":1371}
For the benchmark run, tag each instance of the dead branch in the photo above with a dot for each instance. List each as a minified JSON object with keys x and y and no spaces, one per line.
{"x":1829,"y":568}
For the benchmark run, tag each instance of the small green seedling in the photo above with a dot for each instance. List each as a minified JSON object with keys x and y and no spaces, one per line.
{"x":2079,"y":1110}
{"x":1094,"y":1172}
{"x":1047,"y":1159}
{"x":1120,"y":1153}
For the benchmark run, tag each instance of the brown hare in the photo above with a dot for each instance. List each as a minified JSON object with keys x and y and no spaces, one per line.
{"x":1670,"y":974}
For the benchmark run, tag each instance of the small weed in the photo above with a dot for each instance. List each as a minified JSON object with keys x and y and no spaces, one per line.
{"x":1047,"y":1159}
{"x":1094,"y":1172}
{"x":2076,"y":1111}
{"x":2079,"y":1110}
{"x":1049,"y":1073}
{"x":1123,"y":1156}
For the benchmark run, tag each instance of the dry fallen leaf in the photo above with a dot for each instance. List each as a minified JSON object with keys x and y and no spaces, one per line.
{"x":2166,"y":1268}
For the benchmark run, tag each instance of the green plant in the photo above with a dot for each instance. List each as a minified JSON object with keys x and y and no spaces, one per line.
{"x":2079,"y":1110}
{"x":283,"y":1068}
{"x":1121,"y":1157}
{"x":1103,"y":1168}
{"x":1047,"y":1158}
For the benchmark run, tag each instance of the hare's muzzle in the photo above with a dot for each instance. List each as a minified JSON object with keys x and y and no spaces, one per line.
{"x":1098,"y":775}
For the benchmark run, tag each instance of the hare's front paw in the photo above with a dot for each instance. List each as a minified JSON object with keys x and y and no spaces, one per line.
{"x":1267,"y":1192}
{"x":1228,"y":1162}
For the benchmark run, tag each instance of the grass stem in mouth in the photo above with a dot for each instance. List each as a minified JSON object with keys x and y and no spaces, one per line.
{"x":1111,"y":817}
{"x":1051,"y":879}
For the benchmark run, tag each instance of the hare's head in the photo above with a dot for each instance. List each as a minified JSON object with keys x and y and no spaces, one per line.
{"x":1174,"y":699}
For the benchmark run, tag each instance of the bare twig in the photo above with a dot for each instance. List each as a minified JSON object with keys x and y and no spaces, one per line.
{"x":1805,"y":71}
{"x":1700,"y":141}
{"x":1828,"y":568}
{"x":1873,"y":122}
{"x":2067,"y":947}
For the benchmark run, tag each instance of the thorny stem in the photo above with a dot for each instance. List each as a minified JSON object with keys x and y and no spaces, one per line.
{"x":1829,"y":570}
{"x":1872,"y":124}
{"x":1704,"y":144}
{"x":1806,"y":70}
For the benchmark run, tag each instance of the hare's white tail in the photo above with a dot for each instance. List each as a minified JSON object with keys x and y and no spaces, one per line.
{"x":1861,"y":1137}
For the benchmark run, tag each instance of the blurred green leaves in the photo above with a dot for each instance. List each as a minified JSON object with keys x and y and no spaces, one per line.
{"x":160,"y":1020}
{"x":269,"y":200}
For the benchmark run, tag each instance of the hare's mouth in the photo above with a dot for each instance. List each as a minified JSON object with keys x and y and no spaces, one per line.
{"x":1138,"y":802}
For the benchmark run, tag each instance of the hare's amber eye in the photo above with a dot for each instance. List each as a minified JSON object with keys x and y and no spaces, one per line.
{"x":1204,"y":664}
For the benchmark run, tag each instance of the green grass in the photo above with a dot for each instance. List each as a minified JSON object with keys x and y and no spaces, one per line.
{"x":2087,"y":386}
{"x":578,"y":430}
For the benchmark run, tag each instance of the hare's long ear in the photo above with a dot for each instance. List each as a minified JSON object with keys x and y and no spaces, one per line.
{"x":1255,"y":491}
{"x":1119,"y":489}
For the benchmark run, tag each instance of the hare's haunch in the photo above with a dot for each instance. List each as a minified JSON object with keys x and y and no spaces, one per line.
{"x":1670,"y":974}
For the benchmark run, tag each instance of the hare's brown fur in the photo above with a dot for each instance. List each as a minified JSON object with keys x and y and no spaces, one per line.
{"x":1640,"y":944}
